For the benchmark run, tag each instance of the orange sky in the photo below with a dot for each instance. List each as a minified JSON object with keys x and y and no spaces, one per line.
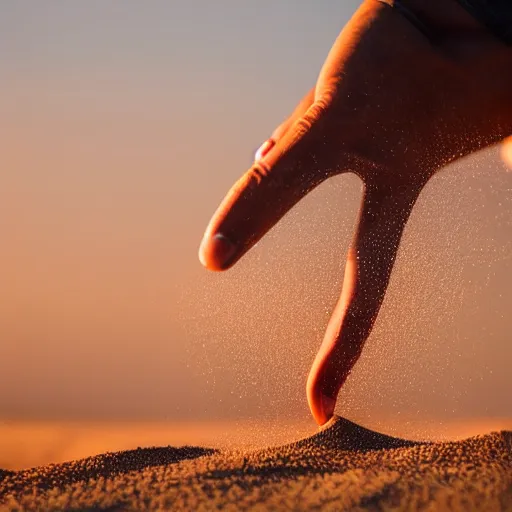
{"x":115,"y":148}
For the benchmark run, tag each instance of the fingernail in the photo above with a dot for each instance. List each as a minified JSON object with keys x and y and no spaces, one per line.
{"x":328,"y":405}
{"x":264,"y":149}
{"x":216,"y":252}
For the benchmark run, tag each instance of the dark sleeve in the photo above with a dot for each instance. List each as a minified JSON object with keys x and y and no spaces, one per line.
{"x":495,"y":14}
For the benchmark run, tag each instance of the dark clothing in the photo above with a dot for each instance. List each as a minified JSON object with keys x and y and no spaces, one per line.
{"x":496,"y":15}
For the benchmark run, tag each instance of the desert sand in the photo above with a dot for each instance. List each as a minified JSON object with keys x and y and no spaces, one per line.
{"x":341,"y":467}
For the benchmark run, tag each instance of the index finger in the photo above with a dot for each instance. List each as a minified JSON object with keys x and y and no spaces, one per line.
{"x":265,"y":193}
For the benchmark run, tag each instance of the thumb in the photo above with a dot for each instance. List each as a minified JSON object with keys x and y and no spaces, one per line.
{"x":280,"y":131}
{"x":272,"y":186}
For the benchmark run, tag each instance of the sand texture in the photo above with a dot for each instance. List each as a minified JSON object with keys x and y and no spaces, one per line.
{"x":342,"y":467}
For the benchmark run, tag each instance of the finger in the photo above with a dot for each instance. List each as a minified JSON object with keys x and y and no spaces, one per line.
{"x":506,"y":151}
{"x":267,"y":191}
{"x":370,"y":261}
{"x":279,"y":132}
{"x":303,"y":106}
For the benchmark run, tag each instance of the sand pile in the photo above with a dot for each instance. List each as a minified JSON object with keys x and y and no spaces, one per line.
{"x":342,"y":467}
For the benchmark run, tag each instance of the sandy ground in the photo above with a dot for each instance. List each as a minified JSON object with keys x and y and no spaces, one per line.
{"x":29,"y":443}
{"x":342,"y":467}
{"x":25,"y":444}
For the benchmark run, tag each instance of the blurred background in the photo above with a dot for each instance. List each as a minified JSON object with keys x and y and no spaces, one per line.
{"x":122,"y":126}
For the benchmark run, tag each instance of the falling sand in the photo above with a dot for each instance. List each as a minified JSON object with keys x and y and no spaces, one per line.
{"x":342,"y":467}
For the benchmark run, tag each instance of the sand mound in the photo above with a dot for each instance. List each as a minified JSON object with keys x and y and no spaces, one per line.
{"x":342,"y":434}
{"x":342,"y":467}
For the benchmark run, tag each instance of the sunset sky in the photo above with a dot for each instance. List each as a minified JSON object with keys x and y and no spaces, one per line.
{"x":122,"y":125}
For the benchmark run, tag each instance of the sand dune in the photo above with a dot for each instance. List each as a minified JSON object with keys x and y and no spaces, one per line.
{"x":342,"y":467}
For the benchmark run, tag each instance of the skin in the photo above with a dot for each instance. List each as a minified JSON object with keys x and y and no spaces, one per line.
{"x":506,"y":152}
{"x":394,"y":108}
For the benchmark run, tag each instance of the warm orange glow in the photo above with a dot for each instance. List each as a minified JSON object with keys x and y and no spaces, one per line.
{"x":25,"y":444}
{"x":506,"y":152}
{"x":113,"y":158}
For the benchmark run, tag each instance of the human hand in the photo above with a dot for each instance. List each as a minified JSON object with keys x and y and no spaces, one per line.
{"x":393,"y":108}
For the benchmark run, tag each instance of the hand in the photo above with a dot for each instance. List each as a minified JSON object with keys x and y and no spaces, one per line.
{"x":393,"y":108}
